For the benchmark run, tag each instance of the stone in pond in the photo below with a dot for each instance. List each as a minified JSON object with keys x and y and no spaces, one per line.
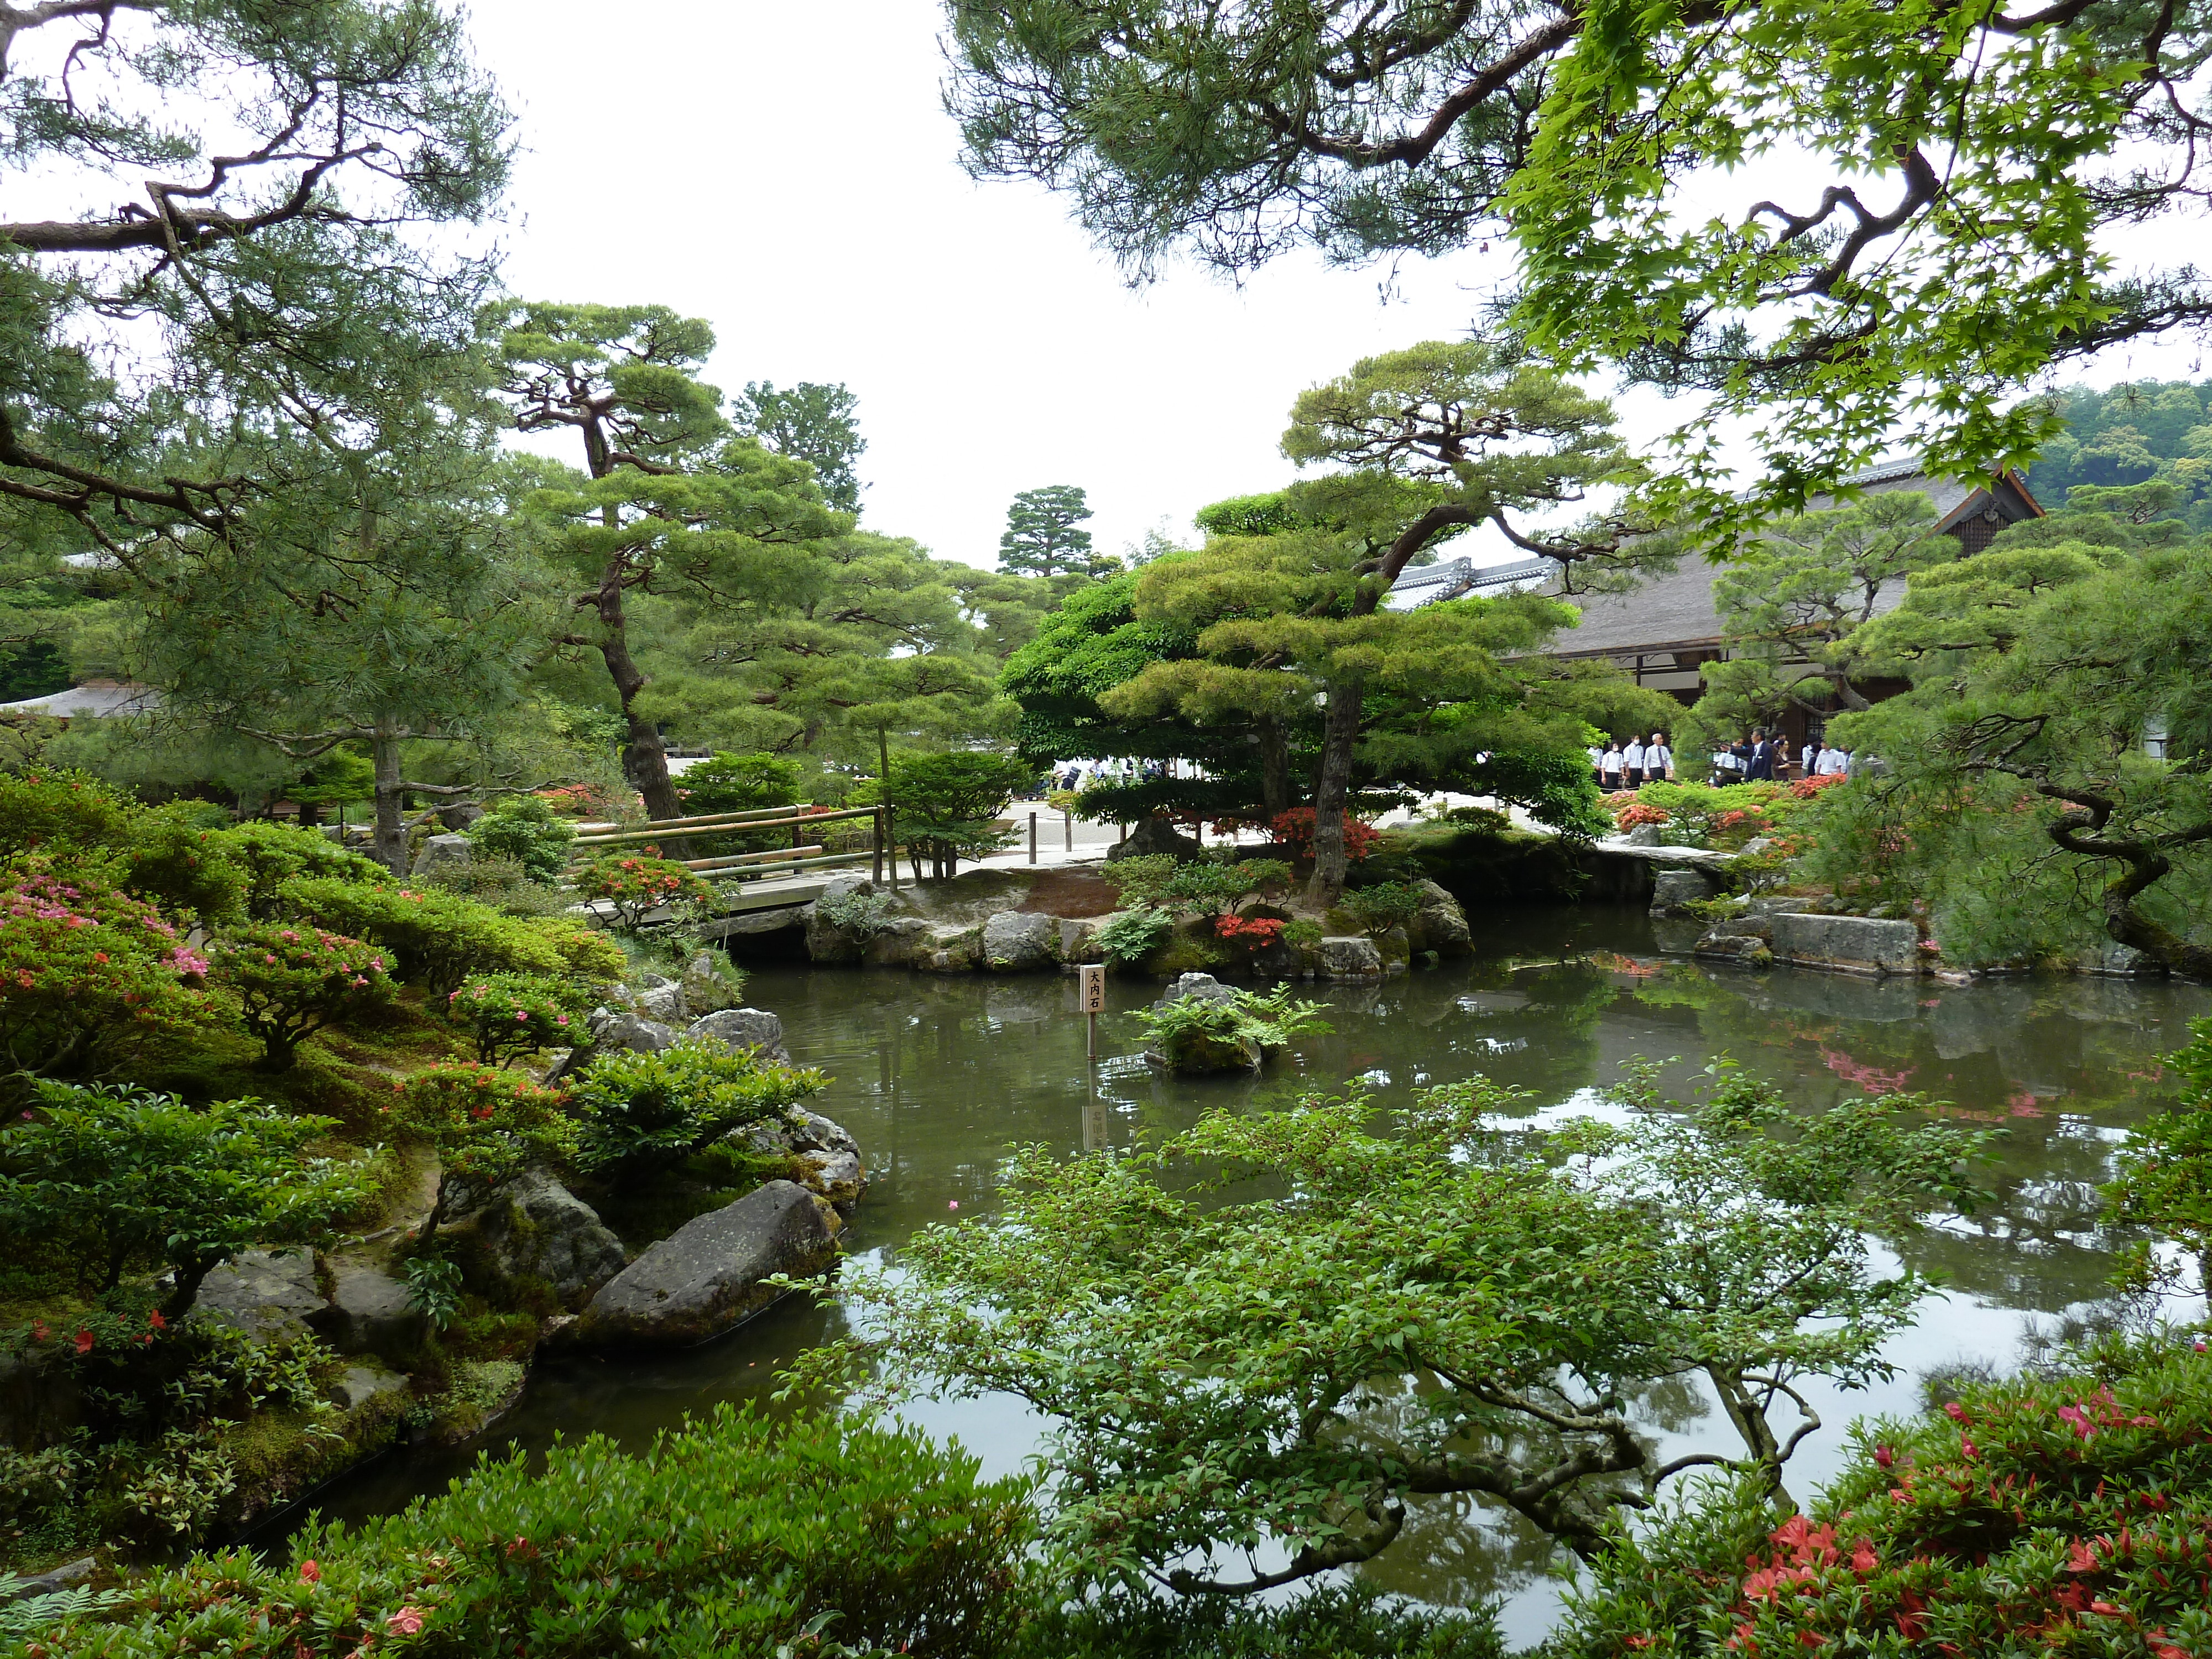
{"x":742,"y":1029}
{"x":705,"y":1278}
{"x":1018,"y":942}
{"x":371,"y":1314}
{"x":271,"y":1297}
{"x":536,"y":1227}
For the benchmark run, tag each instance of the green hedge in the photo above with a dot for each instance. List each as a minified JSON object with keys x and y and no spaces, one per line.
{"x":724,"y":1539}
{"x":1335,"y":1621}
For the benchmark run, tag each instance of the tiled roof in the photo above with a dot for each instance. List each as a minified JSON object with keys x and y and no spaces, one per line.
{"x":99,"y":698}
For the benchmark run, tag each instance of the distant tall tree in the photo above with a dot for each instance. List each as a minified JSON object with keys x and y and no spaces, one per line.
{"x":810,"y":422}
{"x":1044,"y":536}
{"x":2131,"y":434}
{"x":672,"y":500}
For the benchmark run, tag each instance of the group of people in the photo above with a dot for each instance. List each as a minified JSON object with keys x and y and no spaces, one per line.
{"x":1632,"y":763}
{"x":1082,"y":773}
{"x":1760,"y":756}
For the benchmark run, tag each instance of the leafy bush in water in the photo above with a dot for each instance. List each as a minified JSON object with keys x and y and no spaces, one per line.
{"x":723,"y":1540}
{"x":645,"y":1110}
{"x":87,"y":974}
{"x":1135,"y":934}
{"x":133,"y":1180}
{"x":525,"y":830}
{"x":510,"y":1015}
{"x":291,"y":981}
{"x":739,"y":783}
{"x":637,"y":886}
{"x":485,"y":1125}
{"x":2049,"y":1514}
{"x":1270,"y":1021}
{"x":1385,"y":905}
{"x":53,"y":811}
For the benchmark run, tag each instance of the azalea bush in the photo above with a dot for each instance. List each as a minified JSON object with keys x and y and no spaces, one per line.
{"x":50,"y":811}
{"x":486,"y":1125}
{"x":290,"y":982}
{"x":87,"y":974}
{"x":636,"y":885}
{"x":271,"y":854}
{"x":1295,"y":830}
{"x":129,"y":1182}
{"x":1253,"y":932}
{"x":2065,"y":1514}
{"x":1385,"y":905}
{"x":734,"y":1537}
{"x":525,"y":830}
{"x":510,"y":1015}
{"x":440,"y":938}
{"x":647,"y":1111}
{"x":176,"y":856}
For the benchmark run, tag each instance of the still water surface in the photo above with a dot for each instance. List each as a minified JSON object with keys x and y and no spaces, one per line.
{"x":938,"y":1076}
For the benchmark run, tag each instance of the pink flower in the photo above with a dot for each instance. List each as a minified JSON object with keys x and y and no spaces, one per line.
{"x":954,"y":1205}
{"x":311,"y":1572}
{"x":406,"y":1621}
{"x":1884,"y":1458}
{"x":562,"y":1019}
{"x":1954,"y":1411}
{"x":522,"y":1013}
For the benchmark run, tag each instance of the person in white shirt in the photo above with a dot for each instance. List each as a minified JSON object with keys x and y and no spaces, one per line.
{"x":1828,"y":761}
{"x":1658,"y":759}
{"x":1631,"y":764}
{"x":1597,"y":764}
{"x":1608,"y":767}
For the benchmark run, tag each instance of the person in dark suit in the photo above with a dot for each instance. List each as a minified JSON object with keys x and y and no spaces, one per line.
{"x":1761,"y":758}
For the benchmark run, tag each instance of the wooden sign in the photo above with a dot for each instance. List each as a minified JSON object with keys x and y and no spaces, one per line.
{"x":1090,"y":989}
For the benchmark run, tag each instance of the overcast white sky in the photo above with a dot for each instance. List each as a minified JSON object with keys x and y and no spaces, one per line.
{"x":785,"y":172}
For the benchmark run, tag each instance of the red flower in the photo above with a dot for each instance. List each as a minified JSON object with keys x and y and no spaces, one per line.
{"x":311,"y":1572}
{"x":84,"y":1342}
{"x":155,"y":1320}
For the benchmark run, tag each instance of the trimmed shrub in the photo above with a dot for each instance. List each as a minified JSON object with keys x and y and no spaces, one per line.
{"x":725,"y":1539}
{"x":636,"y":886}
{"x":525,"y":830}
{"x":510,"y":1015}
{"x":486,"y":1125}
{"x":273,"y":854}
{"x":739,"y":783}
{"x":87,"y":974}
{"x":1383,"y":906}
{"x":290,"y":982}
{"x":1354,"y":1620}
{"x":646,"y":1110}
{"x":49,"y":810}
{"x":439,"y":938}
{"x":184,"y":865}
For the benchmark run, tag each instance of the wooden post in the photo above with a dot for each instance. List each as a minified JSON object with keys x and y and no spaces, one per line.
{"x":1032,"y":838}
{"x":1067,"y":829}
{"x":891,"y":843}
{"x":876,"y":866}
{"x":1091,"y":995}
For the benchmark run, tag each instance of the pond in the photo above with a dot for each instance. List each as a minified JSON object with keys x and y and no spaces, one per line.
{"x":938,"y":1076}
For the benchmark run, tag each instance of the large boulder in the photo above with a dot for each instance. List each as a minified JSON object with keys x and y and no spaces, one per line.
{"x":625,"y":1027}
{"x":1350,"y":956}
{"x":662,"y":1001}
{"x":370,"y":1313}
{"x":1849,"y":945}
{"x":826,"y":1158}
{"x":2125,"y":962}
{"x":742,"y":1029}
{"x":536,"y":1227}
{"x":441,"y":850}
{"x":1197,"y":1051}
{"x":948,"y":950}
{"x":705,"y":990}
{"x":273,"y":1298}
{"x":1440,"y":924}
{"x":1079,"y":938}
{"x":1154,"y":836}
{"x":1744,"y":950}
{"x":705,"y":1277}
{"x":1673,"y":889}
{"x":1018,"y":942}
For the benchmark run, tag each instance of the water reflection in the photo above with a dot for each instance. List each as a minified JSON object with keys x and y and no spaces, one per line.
{"x":938,"y":1077}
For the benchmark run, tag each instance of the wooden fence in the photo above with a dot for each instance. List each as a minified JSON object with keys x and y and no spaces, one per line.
{"x":774,"y":861}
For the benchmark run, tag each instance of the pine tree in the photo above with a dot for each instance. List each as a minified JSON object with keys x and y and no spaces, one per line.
{"x":1044,"y":537}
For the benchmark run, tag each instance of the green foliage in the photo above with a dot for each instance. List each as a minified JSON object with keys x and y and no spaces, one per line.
{"x":740,"y":783}
{"x":441,"y":938}
{"x":1044,"y":535}
{"x":637,"y":886}
{"x":184,"y":865}
{"x":2134,"y":434}
{"x":434,"y":1285}
{"x":2061,"y":1512}
{"x":1967,"y":258}
{"x":510,"y":1015}
{"x":856,"y":913}
{"x":134,"y":1180}
{"x":290,"y":983}
{"x":1302,"y":934}
{"x":945,"y":803}
{"x":2163,"y":1176}
{"x":724,"y":1539}
{"x":502,"y":884}
{"x":87,"y":974}
{"x":525,"y":828}
{"x":1226,"y":1367}
{"x":486,"y":1125}
{"x":1352,"y":1620}
{"x":1385,"y":905}
{"x":1131,"y":935}
{"x":273,"y":853}
{"x":53,"y":811}
{"x":644,"y":1112}
{"x":810,"y":422}
{"x":1200,"y":886}
{"x":1270,"y":1020}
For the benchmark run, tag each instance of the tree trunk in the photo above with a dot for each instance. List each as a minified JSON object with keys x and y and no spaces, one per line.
{"x":185,"y":1289}
{"x":390,"y":843}
{"x":1331,"y":790}
{"x":1274,"y":768}
{"x":646,"y":760}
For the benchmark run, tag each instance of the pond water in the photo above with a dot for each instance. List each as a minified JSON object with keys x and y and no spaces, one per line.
{"x":938,"y":1076}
